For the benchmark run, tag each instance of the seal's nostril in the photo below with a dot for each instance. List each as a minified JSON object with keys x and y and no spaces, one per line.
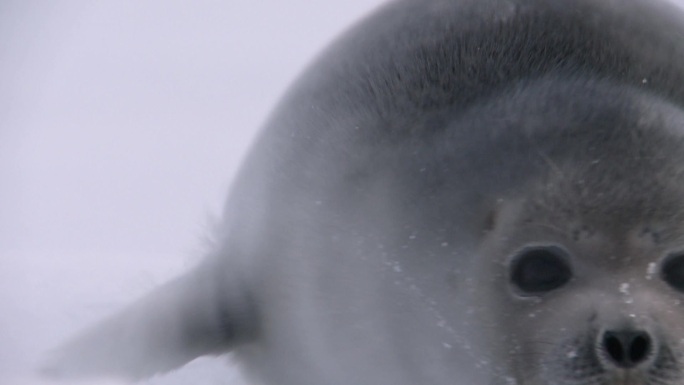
{"x":626,"y":348}
{"x":638,"y":350}
{"x":614,"y":347}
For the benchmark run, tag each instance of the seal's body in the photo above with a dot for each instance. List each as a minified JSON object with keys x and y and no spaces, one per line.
{"x":456,"y":192}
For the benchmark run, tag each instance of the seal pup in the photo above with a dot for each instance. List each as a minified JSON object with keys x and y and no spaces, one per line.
{"x":456,"y":192}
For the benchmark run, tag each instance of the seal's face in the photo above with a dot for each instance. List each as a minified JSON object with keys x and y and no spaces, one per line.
{"x":618,"y":322}
{"x":592,"y":279}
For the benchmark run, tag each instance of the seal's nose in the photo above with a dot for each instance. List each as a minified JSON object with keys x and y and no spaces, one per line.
{"x":626,"y":348}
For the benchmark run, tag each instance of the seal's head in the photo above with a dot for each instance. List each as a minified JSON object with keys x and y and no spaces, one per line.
{"x":587,"y":257}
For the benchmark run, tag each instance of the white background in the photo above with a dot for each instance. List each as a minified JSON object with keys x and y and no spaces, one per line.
{"x":121,"y":126}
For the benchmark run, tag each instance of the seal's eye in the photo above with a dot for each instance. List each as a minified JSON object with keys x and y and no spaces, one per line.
{"x":537,"y":270}
{"x":673,"y":270}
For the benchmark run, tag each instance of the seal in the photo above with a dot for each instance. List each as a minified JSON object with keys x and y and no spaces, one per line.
{"x":455,"y":192}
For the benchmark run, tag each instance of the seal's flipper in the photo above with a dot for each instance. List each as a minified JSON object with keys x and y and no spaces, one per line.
{"x":192,"y":316}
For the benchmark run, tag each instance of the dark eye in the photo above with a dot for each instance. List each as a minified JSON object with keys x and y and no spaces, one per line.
{"x":538,"y":270}
{"x":673,"y":271}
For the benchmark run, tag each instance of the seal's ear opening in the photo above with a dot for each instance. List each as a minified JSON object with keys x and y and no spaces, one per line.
{"x":197,"y":314}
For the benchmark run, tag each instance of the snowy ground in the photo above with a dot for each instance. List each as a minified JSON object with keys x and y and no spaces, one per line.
{"x":121,"y":125}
